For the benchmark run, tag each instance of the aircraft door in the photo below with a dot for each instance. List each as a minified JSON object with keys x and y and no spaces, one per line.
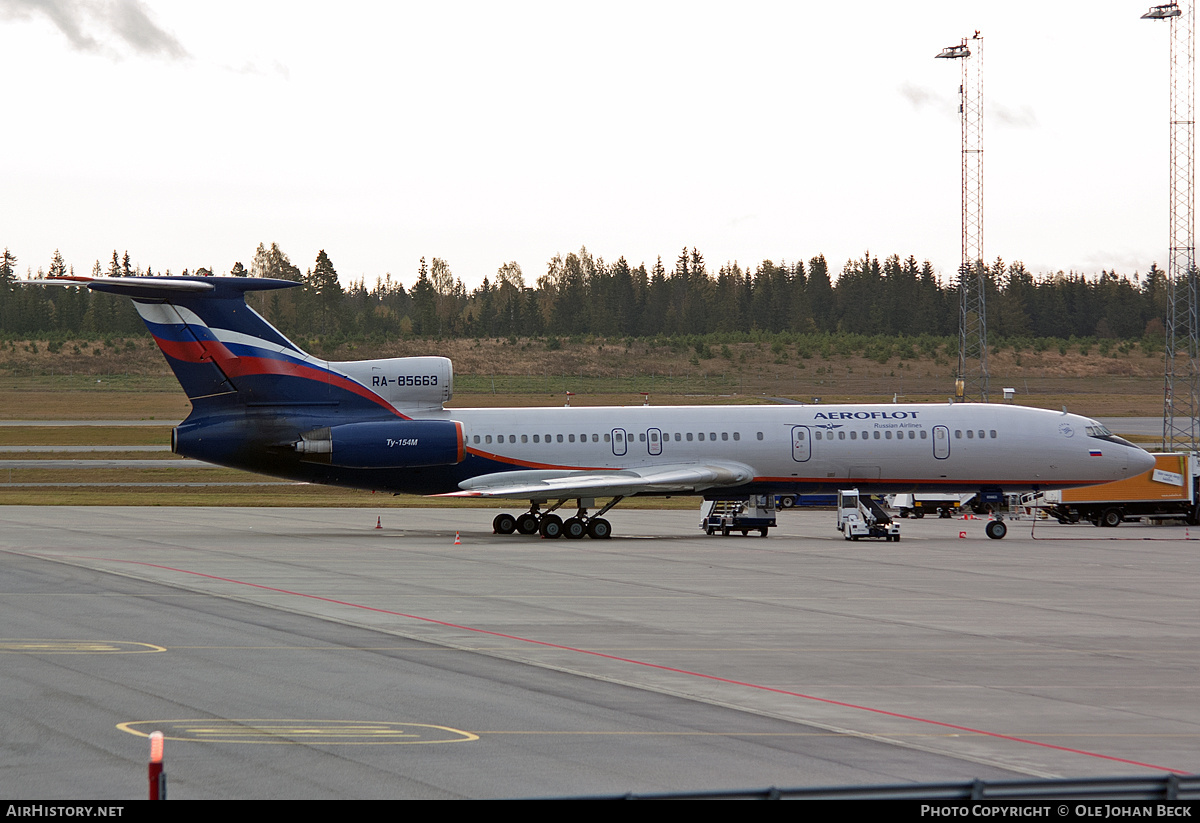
{"x":941,"y":442}
{"x":801,"y":440}
{"x":618,"y":442}
{"x":654,"y":441}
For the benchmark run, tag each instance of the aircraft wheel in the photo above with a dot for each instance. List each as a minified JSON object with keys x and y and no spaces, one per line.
{"x":527,"y":524}
{"x":574,"y":528}
{"x":504,"y":524}
{"x":600,"y":529}
{"x":551,"y":527}
{"x":996,"y":529}
{"x":1111,"y":518}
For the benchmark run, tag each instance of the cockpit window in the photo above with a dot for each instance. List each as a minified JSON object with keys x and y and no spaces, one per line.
{"x":1102,"y":433}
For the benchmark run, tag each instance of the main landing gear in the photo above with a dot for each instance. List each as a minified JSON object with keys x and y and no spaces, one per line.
{"x":551,"y":527}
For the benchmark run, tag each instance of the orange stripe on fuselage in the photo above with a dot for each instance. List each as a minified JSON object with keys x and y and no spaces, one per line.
{"x":529,"y":464}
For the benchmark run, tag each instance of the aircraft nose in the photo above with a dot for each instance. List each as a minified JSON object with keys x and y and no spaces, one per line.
{"x":1140,"y":461}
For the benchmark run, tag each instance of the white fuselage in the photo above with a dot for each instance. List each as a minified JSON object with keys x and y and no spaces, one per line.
{"x":892,"y":447}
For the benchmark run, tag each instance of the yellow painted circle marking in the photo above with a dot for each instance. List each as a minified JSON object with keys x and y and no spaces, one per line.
{"x":9,"y":646}
{"x":343,"y":732}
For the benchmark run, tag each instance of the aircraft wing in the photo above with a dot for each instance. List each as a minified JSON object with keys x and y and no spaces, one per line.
{"x":546,"y":484}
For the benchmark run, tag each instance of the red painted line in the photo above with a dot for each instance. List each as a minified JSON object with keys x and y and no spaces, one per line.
{"x":660,"y":667}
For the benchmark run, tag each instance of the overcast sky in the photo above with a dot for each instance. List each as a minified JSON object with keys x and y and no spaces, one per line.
{"x":483,"y":132}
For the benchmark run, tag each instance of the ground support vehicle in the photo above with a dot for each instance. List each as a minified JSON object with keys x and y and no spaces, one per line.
{"x":1168,"y":491}
{"x":860,"y":516}
{"x":805,"y":501}
{"x":918,"y":505}
{"x":743,"y":515}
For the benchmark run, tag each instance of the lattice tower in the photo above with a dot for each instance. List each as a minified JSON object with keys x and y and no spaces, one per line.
{"x":972,"y":382}
{"x":1181,"y":391}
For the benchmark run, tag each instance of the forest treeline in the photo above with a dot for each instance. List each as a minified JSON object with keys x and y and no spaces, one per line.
{"x":584,"y":295}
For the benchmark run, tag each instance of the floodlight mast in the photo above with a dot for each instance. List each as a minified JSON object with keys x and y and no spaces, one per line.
{"x":972,"y":380}
{"x":1181,"y":385}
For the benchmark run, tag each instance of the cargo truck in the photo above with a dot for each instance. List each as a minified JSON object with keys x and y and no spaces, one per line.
{"x":1168,"y":491}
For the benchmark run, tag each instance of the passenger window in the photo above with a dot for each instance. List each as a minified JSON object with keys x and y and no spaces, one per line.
{"x":476,"y":439}
{"x":970,"y":434}
{"x":524,"y":438}
{"x":535,"y":439}
{"x":712,"y":436}
{"x":642,"y":436}
{"x":700,"y":436}
{"x":958,"y":434}
{"x":841,"y":435}
{"x":737,"y":436}
{"x":993,"y":434}
{"x":487,"y":439}
{"x":689,"y":437}
{"x":853,"y":435}
{"x":724,"y":435}
{"x":924,"y":434}
{"x":559,"y":438}
{"x":888,"y":434}
{"x":571,"y":438}
{"x":760,"y":435}
{"x":876,"y":435}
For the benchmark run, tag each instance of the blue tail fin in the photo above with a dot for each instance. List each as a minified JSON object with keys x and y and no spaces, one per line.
{"x":212,"y":340}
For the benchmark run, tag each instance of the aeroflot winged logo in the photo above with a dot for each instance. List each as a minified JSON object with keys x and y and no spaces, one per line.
{"x":867,"y":415}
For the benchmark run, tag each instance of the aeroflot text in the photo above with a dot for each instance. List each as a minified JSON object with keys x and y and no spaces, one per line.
{"x":865,"y":415}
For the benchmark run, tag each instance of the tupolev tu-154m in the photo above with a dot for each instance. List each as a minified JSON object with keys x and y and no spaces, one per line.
{"x":262,"y":404}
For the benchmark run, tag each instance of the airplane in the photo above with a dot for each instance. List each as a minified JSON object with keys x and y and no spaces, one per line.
{"x":262,"y":404}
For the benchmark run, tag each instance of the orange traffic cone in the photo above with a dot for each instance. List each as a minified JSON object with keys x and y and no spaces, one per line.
{"x":457,"y":539}
{"x":379,"y":522}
